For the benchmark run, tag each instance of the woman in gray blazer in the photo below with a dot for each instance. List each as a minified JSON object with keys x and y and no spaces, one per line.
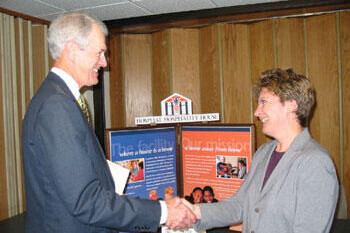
{"x":292,"y":185}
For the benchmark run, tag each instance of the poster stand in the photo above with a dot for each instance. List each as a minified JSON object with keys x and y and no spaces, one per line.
{"x":179,"y":158}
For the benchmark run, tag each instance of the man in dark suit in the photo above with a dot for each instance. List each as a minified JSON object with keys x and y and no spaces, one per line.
{"x":69,"y":187}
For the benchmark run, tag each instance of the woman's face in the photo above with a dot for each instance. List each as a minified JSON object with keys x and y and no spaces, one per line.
{"x":271,"y":112}
{"x":208,"y":197}
{"x":197,"y":196}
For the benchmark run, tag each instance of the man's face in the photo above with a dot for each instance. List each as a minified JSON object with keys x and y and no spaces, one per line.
{"x":88,"y":61}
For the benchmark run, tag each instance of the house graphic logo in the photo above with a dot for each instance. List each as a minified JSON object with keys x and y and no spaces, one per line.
{"x":176,"y":104}
{"x":176,"y":109}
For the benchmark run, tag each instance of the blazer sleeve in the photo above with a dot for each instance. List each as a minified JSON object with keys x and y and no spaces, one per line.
{"x":78,"y":172}
{"x":317,"y":193}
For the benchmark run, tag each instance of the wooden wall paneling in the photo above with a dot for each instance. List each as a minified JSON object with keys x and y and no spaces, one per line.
{"x":262,"y":58}
{"x":116,"y":83}
{"x":15,"y":120}
{"x":210,"y":75}
{"x":9,"y":76}
{"x":290,"y":44}
{"x":137,"y":74}
{"x":185,"y":65}
{"x":40,"y":55}
{"x":19,"y":64}
{"x":161,"y":67}
{"x":3,"y":178}
{"x":24,"y":91}
{"x":236,"y":73}
{"x":28,"y":61}
{"x":323,"y":73}
{"x":20,"y":99}
{"x":345,"y":80}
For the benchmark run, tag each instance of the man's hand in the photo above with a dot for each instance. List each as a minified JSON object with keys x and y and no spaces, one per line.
{"x":179,"y":215}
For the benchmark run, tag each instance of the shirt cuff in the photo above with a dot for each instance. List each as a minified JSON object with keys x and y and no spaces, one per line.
{"x":164,"y":212}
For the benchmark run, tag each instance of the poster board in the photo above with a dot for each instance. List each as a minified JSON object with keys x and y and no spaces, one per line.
{"x":179,"y":158}
{"x":216,"y":155}
{"x":152,"y":148}
{"x":214,"y":161}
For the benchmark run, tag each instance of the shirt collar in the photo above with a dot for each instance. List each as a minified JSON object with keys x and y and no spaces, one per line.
{"x":69,"y":80}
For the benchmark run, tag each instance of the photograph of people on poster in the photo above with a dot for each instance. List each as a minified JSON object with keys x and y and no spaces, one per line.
{"x":231,"y":166}
{"x":150,"y":156}
{"x":215,"y":160}
{"x":136,"y":168}
{"x":201,"y":195}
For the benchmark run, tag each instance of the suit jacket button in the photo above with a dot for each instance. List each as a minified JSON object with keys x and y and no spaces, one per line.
{"x":256,"y":210}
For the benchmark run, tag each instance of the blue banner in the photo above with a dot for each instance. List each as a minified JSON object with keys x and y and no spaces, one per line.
{"x":150,"y":155}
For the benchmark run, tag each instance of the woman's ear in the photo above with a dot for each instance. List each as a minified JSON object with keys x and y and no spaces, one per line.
{"x":292,"y":105}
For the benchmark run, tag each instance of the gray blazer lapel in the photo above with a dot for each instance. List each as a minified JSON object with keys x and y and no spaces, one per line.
{"x":259,"y":166}
{"x":279,"y":174}
{"x":262,"y":171}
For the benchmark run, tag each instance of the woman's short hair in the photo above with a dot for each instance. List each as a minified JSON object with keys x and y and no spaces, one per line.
{"x":289,"y":85}
{"x":71,"y":27}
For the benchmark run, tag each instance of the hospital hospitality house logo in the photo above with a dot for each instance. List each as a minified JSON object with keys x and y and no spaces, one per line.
{"x":176,"y":109}
{"x":176,"y":104}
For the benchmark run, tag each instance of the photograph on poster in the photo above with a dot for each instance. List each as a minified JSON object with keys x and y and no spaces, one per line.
{"x":136,"y":168}
{"x":150,"y":155}
{"x":201,"y":195}
{"x":231,"y":166}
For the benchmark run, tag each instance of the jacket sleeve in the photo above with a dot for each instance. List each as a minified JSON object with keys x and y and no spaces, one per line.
{"x":317,"y":194}
{"x":77,"y":170}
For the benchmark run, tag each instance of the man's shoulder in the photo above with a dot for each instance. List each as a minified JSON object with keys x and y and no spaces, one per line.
{"x":51,"y":86}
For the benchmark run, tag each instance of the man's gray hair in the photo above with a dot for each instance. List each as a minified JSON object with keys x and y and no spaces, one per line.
{"x":71,"y":27}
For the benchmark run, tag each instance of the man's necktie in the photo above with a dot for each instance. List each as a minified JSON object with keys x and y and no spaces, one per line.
{"x":83,"y":106}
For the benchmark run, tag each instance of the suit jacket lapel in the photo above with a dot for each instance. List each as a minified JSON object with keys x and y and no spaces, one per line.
{"x":278,"y":174}
{"x":262,"y":171}
{"x":258,"y":169}
{"x":57,"y":81}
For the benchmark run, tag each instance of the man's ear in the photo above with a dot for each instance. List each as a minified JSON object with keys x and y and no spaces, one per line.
{"x":70,"y":49}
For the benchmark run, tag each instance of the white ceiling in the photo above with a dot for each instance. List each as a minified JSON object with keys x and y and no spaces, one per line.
{"x":116,"y":9}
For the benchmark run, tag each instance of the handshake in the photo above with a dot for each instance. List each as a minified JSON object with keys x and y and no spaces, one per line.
{"x":181,"y":213}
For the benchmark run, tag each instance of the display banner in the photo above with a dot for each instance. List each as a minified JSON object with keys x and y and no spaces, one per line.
{"x":150,"y":155}
{"x":215,"y":160}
